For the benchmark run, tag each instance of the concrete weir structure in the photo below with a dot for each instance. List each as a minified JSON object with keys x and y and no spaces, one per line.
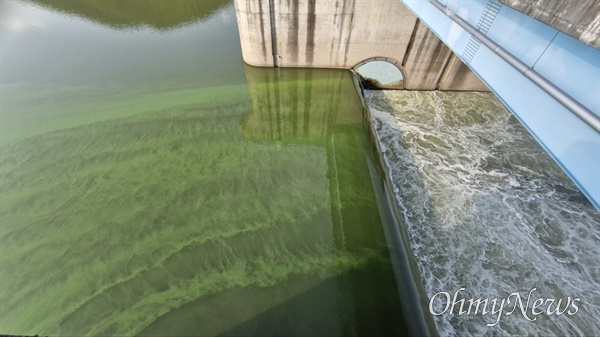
{"x":539,"y":57}
{"x":346,"y":33}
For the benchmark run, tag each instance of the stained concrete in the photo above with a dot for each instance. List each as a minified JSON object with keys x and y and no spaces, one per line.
{"x":255,"y":32}
{"x":578,"y":18}
{"x":342,"y":33}
{"x":458,"y":75}
{"x":427,"y":57}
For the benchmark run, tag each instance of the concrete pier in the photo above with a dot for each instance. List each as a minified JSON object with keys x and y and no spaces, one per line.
{"x":343,"y":33}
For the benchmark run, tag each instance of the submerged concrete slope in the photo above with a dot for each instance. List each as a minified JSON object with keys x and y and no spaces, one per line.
{"x":577,"y":18}
{"x":343,"y":33}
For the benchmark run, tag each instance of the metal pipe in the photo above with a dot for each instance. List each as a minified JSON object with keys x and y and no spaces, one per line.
{"x":558,"y":94}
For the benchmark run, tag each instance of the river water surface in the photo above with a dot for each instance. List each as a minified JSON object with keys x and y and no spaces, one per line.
{"x":151,"y":184}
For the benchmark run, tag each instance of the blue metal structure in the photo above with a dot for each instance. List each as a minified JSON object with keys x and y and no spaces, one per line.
{"x":547,"y":79}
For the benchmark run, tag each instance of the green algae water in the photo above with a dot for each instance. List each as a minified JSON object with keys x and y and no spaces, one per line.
{"x":150,"y":184}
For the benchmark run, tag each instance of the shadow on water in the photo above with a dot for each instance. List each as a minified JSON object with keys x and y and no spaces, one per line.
{"x":310,"y":313}
{"x":349,"y":304}
{"x":291,"y":107}
{"x":308,"y":108}
{"x":303,"y":107}
{"x":125,"y":14}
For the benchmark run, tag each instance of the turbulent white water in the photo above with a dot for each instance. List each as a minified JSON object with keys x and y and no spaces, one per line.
{"x":488,"y":210}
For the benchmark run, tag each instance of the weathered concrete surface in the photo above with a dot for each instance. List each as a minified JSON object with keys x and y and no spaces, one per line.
{"x":342,"y":33}
{"x":427,"y":58}
{"x":255,"y":32}
{"x":578,"y":18}
{"x":458,"y":75}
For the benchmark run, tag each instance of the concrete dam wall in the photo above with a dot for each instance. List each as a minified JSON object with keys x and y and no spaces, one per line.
{"x":345,"y":33}
{"x":579,"y":19}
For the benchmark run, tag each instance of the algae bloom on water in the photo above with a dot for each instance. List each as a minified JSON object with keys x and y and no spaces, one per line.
{"x":179,"y":193}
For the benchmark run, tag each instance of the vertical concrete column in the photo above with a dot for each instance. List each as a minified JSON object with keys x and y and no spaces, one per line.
{"x":254,"y":24}
{"x":325,"y":34}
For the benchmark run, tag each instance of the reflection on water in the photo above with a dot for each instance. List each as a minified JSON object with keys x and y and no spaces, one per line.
{"x":126,"y":14}
{"x":315,"y":108}
{"x":155,"y":192}
{"x":282,"y":103}
{"x":60,"y":71}
{"x":323,"y":268}
{"x":175,"y":222}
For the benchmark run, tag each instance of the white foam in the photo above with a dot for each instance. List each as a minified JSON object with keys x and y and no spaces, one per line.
{"x":487,"y":209}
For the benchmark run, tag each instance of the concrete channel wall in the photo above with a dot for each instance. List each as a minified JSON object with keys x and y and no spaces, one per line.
{"x":343,"y":33}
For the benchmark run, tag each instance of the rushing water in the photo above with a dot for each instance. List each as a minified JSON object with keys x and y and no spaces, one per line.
{"x":150,"y":184}
{"x":489,"y":211}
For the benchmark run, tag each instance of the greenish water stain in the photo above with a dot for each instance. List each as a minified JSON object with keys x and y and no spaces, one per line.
{"x":212,"y":201}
